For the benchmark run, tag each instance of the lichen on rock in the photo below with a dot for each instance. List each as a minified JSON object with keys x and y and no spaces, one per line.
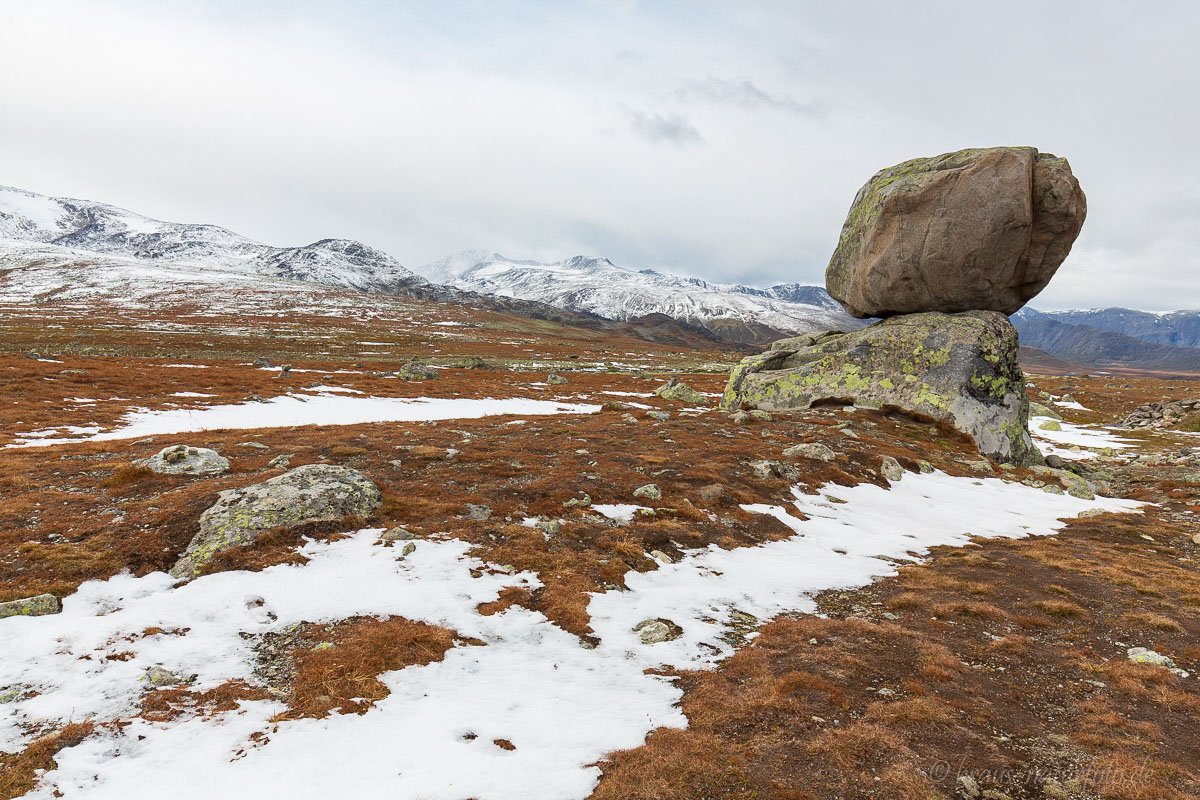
{"x":958,"y":368}
{"x":311,"y":493}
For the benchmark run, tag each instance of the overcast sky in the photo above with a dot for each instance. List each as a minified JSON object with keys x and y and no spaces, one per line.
{"x":723,"y":140}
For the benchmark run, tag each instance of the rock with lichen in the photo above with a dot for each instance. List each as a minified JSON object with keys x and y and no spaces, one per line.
{"x":960,"y":369}
{"x":979,"y":229}
{"x":677,"y":390}
{"x":180,"y":459}
{"x":37,"y":606}
{"x":311,"y":493}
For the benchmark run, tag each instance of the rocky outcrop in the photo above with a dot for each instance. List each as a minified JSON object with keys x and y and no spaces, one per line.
{"x":312,"y":493}
{"x":958,"y":368}
{"x":183,"y":460}
{"x":1160,"y":415}
{"x":981,"y":229}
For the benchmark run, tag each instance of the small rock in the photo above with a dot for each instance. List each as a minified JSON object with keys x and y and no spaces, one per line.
{"x":659,"y":416}
{"x":814,"y":450}
{"x":980,"y":466}
{"x":891,"y":469}
{"x":396,"y":534}
{"x":925,"y":467}
{"x":1039,"y":410}
{"x":760,"y":415}
{"x":478,"y":513}
{"x":1144,"y":655}
{"x":550,"y":527}
{"x":37,"y":606}
{"x":264,"y":363}
{"x":408,"y":550}
{"x":255,"y":445}
{"x":628,"y":418}
{"x":675,"y":390}
{"x":661,"y":556}
{"x":1055,"y":462}
{"x":579,"y":502}
{"x":616,"y":405}
{"x":885,"y":692}
{"x":181,"y":459}
{"x":416,"y":371}
{"x":1050,"y":425}
{"x":555,"y":380}
{"x":650,"y":492}
{"x":968,"y":785}
{"x":1090,"y":512}
{"x":281,"y":461}
{"x":475,"y":362}
{"x":653,"y":631}
{"x":157,"y":676}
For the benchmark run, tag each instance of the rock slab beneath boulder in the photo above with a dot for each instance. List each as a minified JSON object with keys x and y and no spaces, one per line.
{"x":312,"y":493}
{"x":981,"y":229}
{"x":957,"y":368}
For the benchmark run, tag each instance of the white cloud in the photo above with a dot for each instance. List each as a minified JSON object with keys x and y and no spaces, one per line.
{"x":428,"y":128}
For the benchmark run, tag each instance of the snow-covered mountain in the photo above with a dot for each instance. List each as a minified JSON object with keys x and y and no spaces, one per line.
{"x":60,"y":228}
{"x":598,"y":286}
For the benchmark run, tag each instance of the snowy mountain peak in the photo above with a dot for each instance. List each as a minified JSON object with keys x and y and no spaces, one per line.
{"x":81,"y":229}
{"x":595,"y":285}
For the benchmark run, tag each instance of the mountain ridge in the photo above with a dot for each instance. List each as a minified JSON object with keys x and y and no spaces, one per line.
{"x":596,"y":285}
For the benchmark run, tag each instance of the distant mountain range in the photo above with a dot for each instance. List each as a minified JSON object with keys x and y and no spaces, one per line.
{"x":598,"y":286}
{"x":69,"y":227}
{"x":64,"y":248}
{"x":1114,"y":337}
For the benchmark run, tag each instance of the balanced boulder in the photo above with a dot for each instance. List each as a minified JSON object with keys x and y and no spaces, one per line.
{"x":183,"y":460}
{"x":958,"y":368}
{"x":981,"y":229}
{"x":312,"y":493}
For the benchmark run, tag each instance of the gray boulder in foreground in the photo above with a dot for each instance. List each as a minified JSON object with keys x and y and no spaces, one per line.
{"x":981,"y":229}
{"x":957,"y":368}
{"x":312,"y":493}
{"x":180,"y":459}
{"x":37,"y":606}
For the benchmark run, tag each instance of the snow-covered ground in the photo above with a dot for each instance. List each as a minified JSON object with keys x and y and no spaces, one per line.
{"x":562,"y":705}
{"x":1089,"y":439}
{"x":331,"y":408}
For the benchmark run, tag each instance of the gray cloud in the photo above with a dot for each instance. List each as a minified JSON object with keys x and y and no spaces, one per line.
{"x":664,"y":128}
{"x":746,"y":94}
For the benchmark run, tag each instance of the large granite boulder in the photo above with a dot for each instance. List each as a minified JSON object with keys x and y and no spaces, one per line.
{"x":957,"y":368}
{"x":312,"y":493}
{"x":973,"y":230}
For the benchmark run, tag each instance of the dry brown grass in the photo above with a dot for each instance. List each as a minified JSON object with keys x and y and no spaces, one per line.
{"x":19,"y":771}
{"x":160,"y":705}
{"x":341,"y":673}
